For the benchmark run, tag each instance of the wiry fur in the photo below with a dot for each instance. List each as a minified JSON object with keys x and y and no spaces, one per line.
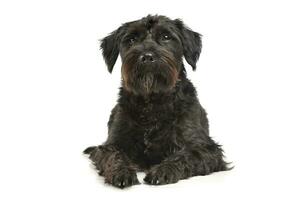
{"x":158,"y":125}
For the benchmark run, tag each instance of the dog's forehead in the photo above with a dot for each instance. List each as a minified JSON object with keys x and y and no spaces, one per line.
{"x":150,"y":24}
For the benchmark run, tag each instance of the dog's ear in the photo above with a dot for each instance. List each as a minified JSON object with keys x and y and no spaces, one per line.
{"x":191,"y":41}
{"x":110,"y":48}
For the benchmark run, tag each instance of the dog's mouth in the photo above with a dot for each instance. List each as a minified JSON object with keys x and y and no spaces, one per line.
{"x":146,"y":78}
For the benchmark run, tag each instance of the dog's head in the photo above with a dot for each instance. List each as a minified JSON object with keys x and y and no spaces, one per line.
{"x":151,"y":51}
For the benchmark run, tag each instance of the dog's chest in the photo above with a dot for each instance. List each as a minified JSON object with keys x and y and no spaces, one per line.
{"x":154,"y":127}
{"x":157,"y":125}
{"x":153,"y":117}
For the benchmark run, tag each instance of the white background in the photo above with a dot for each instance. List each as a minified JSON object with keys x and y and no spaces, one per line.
{"x":56,"y":96}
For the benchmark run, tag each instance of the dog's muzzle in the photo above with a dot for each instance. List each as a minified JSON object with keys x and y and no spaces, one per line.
{"x":147,"y":71}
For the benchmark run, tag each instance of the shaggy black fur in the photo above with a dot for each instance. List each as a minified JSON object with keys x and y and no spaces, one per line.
{"x":158,"y":125}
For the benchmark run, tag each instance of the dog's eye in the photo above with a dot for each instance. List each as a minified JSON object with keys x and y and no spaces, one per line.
{"x":132,"y":40}
{"x":166,"y":37}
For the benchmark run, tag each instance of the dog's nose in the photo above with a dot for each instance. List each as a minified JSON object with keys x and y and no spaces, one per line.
{"x":147,"y":57}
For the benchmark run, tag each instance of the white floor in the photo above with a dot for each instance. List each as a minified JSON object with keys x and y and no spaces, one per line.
{"x":63,"y":172}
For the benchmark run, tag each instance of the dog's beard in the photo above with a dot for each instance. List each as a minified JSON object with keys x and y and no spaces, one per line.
{"x":158,"y":77}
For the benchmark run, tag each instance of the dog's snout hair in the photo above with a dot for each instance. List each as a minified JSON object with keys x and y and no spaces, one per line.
{"x":158,"y":75}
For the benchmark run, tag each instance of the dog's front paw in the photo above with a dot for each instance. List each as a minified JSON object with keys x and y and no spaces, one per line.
{"x":123,"y":178}
{"x":162,"y":174}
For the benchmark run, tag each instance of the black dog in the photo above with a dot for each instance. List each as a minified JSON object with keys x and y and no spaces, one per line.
{"x":158,"y":125}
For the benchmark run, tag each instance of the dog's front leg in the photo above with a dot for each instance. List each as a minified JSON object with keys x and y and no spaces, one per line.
{"x":113,"y":165}
{"x":198,"y":160}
